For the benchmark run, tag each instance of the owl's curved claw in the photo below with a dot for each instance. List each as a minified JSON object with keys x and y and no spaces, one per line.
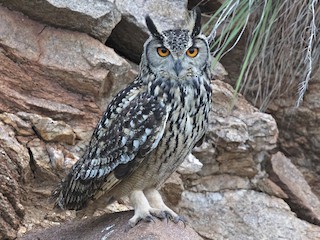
{"x":175,"y":218}
{"x":158,"y":213}
{"x":180,"y":219}
{"x":146,"y":216}
{"x":136,"y":218}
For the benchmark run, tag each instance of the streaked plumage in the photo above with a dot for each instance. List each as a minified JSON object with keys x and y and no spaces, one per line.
{"x":148,"y":128}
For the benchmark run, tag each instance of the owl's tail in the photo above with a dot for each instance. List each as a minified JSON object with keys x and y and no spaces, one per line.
{"x":71,"y":194}
{"x":57,"y":197}
{"x":75,"y":194}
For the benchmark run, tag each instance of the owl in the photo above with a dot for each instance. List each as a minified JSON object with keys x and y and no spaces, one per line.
{"x":147,"y":129}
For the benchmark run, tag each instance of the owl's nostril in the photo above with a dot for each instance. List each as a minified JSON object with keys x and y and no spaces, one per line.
{"x":177,"y":67}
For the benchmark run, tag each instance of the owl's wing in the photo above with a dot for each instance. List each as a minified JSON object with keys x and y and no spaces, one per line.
{"x":134,"y":131}
{"x":128,"y":131}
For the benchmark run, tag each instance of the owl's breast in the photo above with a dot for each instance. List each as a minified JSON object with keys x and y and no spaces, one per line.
{"x":188,"y":104}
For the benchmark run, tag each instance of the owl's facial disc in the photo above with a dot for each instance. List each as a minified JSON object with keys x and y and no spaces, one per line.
{"x":169,"y":61}
{"x":177,"y":53}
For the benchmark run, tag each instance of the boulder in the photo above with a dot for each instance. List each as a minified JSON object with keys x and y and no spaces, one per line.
{"x":190,"y":165}
{"x":244,"y":215}
{"x":96,"y":18}
{"x":63,"y":72}
{"x":300,"y":196}
{"x":115,"y":227}
{"x":49,"y":130}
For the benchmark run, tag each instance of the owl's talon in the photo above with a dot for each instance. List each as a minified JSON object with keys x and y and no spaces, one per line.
{"x":175,"y":218}
{"x":133,"y":221}
{"x":178,"y":219}
{"x":168,"y":216}
{"x":162,"y":215}
{"x":148,"y":218}
{"x":136,"y":219}
{"x":158,"y":213}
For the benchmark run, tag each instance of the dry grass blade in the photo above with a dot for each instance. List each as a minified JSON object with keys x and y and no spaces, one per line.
{"x":282,"y":49}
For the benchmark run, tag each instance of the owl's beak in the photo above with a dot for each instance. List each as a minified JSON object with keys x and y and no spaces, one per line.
{"x":177,"y":67}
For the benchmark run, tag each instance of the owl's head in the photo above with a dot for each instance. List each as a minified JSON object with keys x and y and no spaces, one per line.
{"x":177,"y":53}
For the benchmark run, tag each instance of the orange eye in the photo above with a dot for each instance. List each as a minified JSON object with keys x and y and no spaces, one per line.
{"x":163,"y":52}
{"x":192,"y":52}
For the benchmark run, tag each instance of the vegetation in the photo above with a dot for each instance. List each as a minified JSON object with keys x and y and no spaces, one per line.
{"x":283,"y":44}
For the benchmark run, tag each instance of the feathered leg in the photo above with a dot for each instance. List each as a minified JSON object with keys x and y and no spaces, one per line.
{"x":142,"y":209}
{"x":155,"y":200}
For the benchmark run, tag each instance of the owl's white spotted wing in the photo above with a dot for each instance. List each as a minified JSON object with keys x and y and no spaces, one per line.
{"x":131,"y":128}
{"x":133,"y":132}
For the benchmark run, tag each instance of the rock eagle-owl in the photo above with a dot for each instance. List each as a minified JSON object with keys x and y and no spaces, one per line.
{"x":148,"y":128}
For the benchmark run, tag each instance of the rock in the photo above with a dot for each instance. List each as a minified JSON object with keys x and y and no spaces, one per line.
{"x":61,"y":159}
{"x":172,"y":189}
{"x":14,"y":169}
{"x":60,"y":78}
{"x":115,"y":227}
{"x":219,"y":72}
{"x":50,"y":130}
{"x":130,"y":34}
{"x":64,"y":84}
{"x":54,"y":131}
{"x":244,"y":215}
{"x":22,"y":127}
{"x":300,"y":197}
{"x":39,"y":160}
{"x":215,"y":183}
{"x":97,"y":18}
{"x":190,"y":165}
{"x":268,"y":186}
{"x":48,"y":161}
{"x":299,"y":128}
{"x":15,"y":151}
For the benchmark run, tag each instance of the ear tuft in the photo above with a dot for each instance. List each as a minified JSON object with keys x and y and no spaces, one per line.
{"x":152,"y":28}
{"x":197,"y":22}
